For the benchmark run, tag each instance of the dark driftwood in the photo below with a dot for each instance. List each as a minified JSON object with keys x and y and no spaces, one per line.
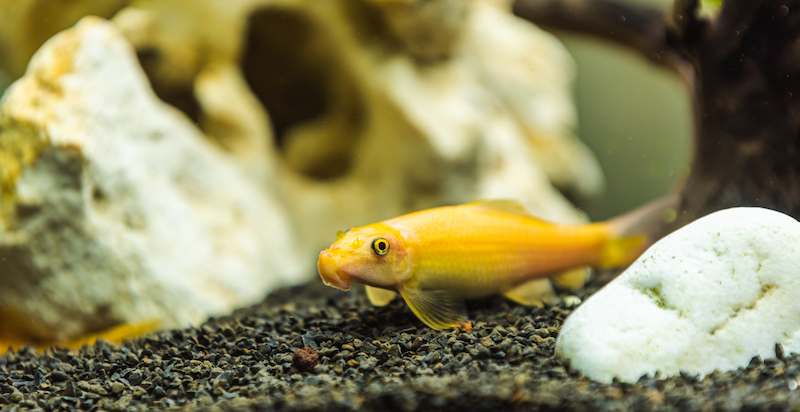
{"x":743,"y":68}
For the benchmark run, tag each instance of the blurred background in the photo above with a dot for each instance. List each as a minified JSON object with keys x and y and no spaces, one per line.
{"x":176,"y":159}
{"x":634,"y":116}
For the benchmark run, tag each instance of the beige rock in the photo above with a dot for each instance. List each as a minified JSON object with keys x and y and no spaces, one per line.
{"x":427,"y":30}
{"x":472,"y":119}
{"x":118,"y":210}
{"x":299,"y":118}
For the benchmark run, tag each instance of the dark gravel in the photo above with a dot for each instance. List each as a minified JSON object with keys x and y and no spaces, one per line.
{"x":313,"y":348}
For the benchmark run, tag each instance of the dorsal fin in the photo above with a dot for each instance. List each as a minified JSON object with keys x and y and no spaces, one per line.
{"x":500,"y":205}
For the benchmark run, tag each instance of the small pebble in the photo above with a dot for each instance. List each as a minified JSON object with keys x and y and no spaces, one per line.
{"x":305,"y":359}
{"x":58,"y":376}
{"x":117,"y":387}
{"x":159,"y":392}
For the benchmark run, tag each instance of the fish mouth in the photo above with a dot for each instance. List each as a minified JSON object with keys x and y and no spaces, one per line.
{"x":330,"y":273}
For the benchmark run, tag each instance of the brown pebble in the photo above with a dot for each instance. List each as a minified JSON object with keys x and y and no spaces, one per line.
{"x":465,"y":326}
{"x":305,"y":359}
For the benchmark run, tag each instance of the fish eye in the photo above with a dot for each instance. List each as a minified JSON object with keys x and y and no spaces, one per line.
{"x":380,"y":246}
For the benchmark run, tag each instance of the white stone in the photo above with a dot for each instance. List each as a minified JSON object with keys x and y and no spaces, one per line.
{"x":709,"y":296}
{"x":121,"y":212}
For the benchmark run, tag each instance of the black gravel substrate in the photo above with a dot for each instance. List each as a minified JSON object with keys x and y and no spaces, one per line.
{"x":313,"y":348}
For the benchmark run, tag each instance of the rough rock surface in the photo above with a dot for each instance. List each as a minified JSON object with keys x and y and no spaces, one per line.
{"x":708,"y":297}
{"x":113,"y":209}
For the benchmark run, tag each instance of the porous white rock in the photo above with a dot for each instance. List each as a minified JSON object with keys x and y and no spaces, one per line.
{"x":709,"y":296}
{"x":114,"y":209}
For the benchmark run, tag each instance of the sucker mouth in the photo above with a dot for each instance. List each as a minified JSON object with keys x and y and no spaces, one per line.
{"x":330,"y":273}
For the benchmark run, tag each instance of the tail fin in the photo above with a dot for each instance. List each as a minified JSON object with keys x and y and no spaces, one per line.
{"x":632,"y":233}
{"x":116,"y":334}
{"x":620,"y":251}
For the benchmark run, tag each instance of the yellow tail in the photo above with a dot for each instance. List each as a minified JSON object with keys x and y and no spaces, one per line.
{"x":622,"y":251}
{"x":117,"y":334}
{"x":632,"y":233}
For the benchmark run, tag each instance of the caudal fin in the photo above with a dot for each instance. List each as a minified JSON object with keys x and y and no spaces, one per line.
{"x":632,"y":233}
{"x":116,"y":334}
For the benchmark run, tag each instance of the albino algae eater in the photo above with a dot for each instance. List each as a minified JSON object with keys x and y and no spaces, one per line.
{"x":439,"y":257}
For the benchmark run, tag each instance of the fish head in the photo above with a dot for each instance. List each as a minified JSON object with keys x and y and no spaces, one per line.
{"x":374,"y":255}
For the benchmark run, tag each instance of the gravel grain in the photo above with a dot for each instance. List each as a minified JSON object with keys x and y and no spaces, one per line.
{"x":314,"y":348}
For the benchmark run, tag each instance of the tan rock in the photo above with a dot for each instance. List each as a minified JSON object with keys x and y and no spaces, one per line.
{"x":118,"y":210}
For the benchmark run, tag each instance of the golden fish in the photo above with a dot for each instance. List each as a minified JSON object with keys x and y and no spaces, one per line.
{"x":17,"y":331}
{"x":439,"y":257}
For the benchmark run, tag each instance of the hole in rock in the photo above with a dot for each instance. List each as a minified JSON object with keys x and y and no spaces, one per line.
{"x":284,"y":68}
{"x":292,"y":66}
{"x":98,"y":195}
{"x":99,"y":199}
{"x":180,"y":96}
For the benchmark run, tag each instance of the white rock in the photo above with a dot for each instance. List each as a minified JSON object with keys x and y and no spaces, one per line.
{"x":118,"y":211}
{"x":710,"y":296}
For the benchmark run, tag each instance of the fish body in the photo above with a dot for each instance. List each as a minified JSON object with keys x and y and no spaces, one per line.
{"x":477,"y":252}
{"x":439,"y":257}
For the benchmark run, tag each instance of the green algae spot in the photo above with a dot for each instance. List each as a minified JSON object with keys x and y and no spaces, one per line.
{"x":655,"y":294}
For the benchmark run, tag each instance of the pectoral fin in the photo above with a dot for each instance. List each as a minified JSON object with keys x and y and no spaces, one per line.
{"x":380,"y":297}
{"x":438,"y":309}
{"x":534,"y":293}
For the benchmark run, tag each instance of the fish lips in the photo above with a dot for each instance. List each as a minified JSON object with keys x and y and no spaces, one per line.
{"x":330,"y":273}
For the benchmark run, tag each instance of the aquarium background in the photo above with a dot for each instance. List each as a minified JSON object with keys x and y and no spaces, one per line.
{"x":633,"y":115}
{"x":636,"y":118}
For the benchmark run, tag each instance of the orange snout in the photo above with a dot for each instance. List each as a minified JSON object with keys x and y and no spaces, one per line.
{"x":330,"y":273}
